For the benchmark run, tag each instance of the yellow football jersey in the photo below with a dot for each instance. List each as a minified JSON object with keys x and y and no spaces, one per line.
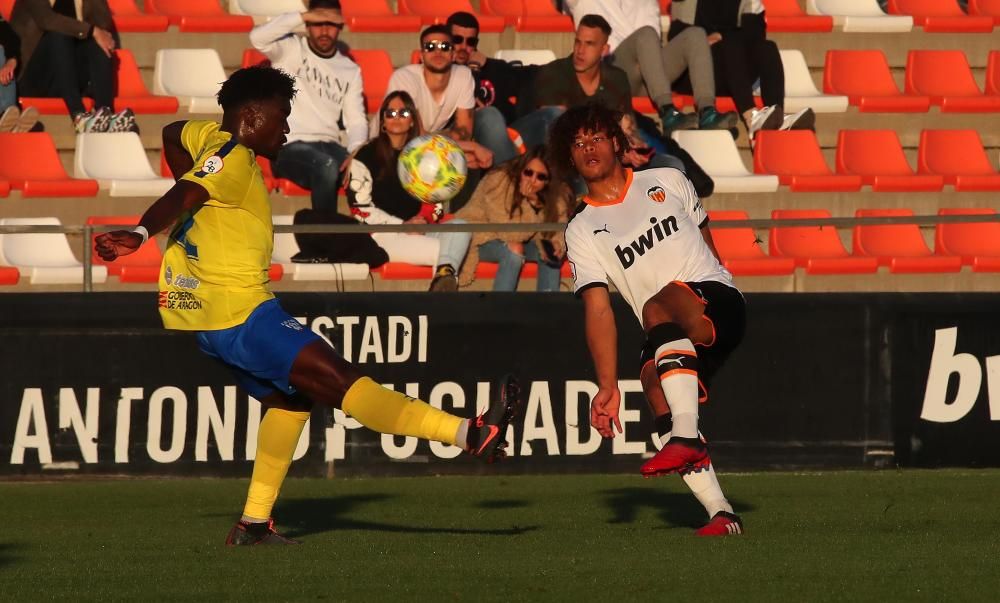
{"x":215,"y":268}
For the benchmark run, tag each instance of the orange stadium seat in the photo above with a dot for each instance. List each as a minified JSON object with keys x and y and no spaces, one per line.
{"x":52,"y":106}
{"x":993,"y":73}
{"x":985,"y":8}
{"x":959,"y":156}
{"x":528,"y":15}
{"x":437,"y":11}
{"x":977,"y":243}
{"x":877,"y":156}
{"x":9,"y":275}
{"x":795,"y":158}
{"x":816,"y":248}
{"x":787,"y":15}
{"x":899,"y":246}
{"x":740,"y":249}
{"x":375,"y":16}
{"x":664,"y":7}
{"x":4,"y":188}
{"x":5,"y":7}
{"x":252,"y":56}
{"x":32,"y":165}
{"x":945,"y":76}
{"x":940,"y":16}
{"x":128,"y":18}
{"x":376,"y":65}
{"x":132,"y":92}
{"x":864,"y":77}
{"x":199,"y":16}
{"x":143,"y":266}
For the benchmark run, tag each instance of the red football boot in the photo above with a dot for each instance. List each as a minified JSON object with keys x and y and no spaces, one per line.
{"x":722,"y":524}
{"x":677,"y":455}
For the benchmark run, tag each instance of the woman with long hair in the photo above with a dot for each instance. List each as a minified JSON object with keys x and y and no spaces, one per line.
{"x":376,"y":196}
{"x":523,"y":190}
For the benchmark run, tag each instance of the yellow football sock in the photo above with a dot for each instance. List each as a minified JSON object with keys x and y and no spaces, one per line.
{"x":381,"y":409}
{"x":277,"y":438}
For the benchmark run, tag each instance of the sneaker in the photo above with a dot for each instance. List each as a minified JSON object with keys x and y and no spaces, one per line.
{"x":27,"y":121}
{"x":245,"y":533}
{"x":677,"y":455}
{"x":671,"y":119}
{"x":488,"y":432}
{"x":97,"y":120}
{"x":768,"y":118}
{"x":445,"y":279}
{"x":710,"y":119}
{"x":800,"y":120}
{"x":124,"y":121}
{"x":8,"y":120}
{"x":722,"y":524}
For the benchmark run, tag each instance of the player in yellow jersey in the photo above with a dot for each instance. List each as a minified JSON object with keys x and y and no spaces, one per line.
{"x":214,"y":282}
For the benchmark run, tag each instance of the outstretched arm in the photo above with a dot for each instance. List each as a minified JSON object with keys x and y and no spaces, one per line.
{"x":602,"y":340}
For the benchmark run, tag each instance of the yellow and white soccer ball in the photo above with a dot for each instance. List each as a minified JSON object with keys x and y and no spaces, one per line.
{"x":432,"y":168}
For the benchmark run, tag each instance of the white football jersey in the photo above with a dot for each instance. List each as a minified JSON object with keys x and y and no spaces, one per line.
{"x":644,"y":240}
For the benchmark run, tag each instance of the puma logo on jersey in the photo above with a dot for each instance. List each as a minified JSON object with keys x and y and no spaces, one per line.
{"x":605,"y":229}
{"x":645,"y":242}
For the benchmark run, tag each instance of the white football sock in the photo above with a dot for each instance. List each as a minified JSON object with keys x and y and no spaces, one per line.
{"x":705,"y":487}
{"x":680,"y":384}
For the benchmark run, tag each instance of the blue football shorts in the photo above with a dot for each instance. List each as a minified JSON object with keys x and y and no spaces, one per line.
{"x":260,"y":352}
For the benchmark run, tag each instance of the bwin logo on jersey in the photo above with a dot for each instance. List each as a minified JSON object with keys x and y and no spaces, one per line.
{"x":644,"y":242}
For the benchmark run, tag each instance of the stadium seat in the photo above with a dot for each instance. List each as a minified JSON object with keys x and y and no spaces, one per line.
{"x":252,"y":56}
{"x":978,"y":243}
{"x":376,"y":66}
{"x":864,"y":76}
{"x":199,"y":16}
{"x":901,"y":247}
{"x":526,"y":57}
{"x":959,"y":156}
{"x":528,"y":15}
{"x":117,"y":160}
{"x":816,"y":248}
{"x":940,"y":16}
{"x":985,"y":8}
{"x":262,"y":10}
{"x":4,"y":188}
{"x":128,"y":18}
{"x":787,"y":16}
{"x":5,"y":6}
{"x":877,"y":156}
{"x":9,"y":275}
{"x":800,"y":90}
{"x":52,"y":105}
{"x":740,"y":249}
{"x":993,"y":73}
{"x":285,"y":247}
{"x":32,"y":166}
{"x":715,"y":151}
{"x":437,"y":11}
{"x":193,"y":75}
{"x":795,"y":157}
{"x":46,"y":258}
{"x":143,"y":266}
{"x":860,"y":16}
{"x":375,"y":16}
{"x":945,"y":76}
{"x":132,"y":92}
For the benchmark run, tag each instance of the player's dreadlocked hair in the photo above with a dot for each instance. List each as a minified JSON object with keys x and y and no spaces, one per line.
{"x":253,"y":84}
{"x":588,"y":118}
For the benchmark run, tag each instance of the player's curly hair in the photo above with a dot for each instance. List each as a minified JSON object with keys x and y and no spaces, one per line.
{"x":588,"y":118}
{"x":255,"y":84}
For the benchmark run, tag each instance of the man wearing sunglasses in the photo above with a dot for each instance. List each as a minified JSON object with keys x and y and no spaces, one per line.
{"x":328,"y":119}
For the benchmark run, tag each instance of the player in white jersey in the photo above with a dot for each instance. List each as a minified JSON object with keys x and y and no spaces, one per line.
{"x":647,"y":233}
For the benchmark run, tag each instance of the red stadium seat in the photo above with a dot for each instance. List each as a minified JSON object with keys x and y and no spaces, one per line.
{"x":740,"y":249}
{"x":899,"y":246}
{"x":252,"y":56}
{"x":52,"y":106}
{"x":132,"y":92}
{"x":199,"y":16}
{"x":143,"y":266}
{"x":404,"y":271}
{"x":877,"y":156}
{"x":978,"y":243}
{"x":787,"y":15}
{"x":528,"y":15}
{"x":375,"y":16}
{"x":4,"y":188}
{"x":945,"y":76}
{"x":940,"y":16}
{"x":275,"y":272}
{"x":993,"y":73}
{"x":795,"y":157}
{"x":5,"y":6}
{"x":959,"y":156}
{"x":32,"y":165}
{"x":864,"y":77}
{"x":985,"y":8}
{"x":376,"y":65}
{"x":816,"y":248}
{"x":415,"y":57}
{"x":9,"y":275}
{"x":437,"y":11}
{"x":128,"y":18}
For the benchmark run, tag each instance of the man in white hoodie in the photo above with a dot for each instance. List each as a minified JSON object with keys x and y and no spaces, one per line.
{"x":328,"y":119}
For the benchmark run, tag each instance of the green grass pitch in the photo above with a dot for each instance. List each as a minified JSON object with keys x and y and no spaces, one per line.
{"x":831,"y":536}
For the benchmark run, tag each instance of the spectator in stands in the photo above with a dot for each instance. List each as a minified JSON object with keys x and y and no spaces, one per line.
{"x":521,"y":191}
{"x":636,"y":47}
{"x":12,"y":119}
{"x":330,"y":92}
{"x":376,"y":196}
{"x":499,"y":86}
{"x":742,"y":54}
{"x":67,"y":49}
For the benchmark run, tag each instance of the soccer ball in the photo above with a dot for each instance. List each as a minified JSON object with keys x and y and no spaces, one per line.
{"x":432,"y":168}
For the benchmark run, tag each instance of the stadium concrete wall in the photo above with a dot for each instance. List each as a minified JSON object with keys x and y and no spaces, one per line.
{"x":93,"y":385}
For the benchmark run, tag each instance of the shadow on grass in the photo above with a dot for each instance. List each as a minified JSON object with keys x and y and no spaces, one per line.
{"x":7,"y":556}
{"x":506,"y":503}
{"x":675,"y":509}
{"x":318,"y":515}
